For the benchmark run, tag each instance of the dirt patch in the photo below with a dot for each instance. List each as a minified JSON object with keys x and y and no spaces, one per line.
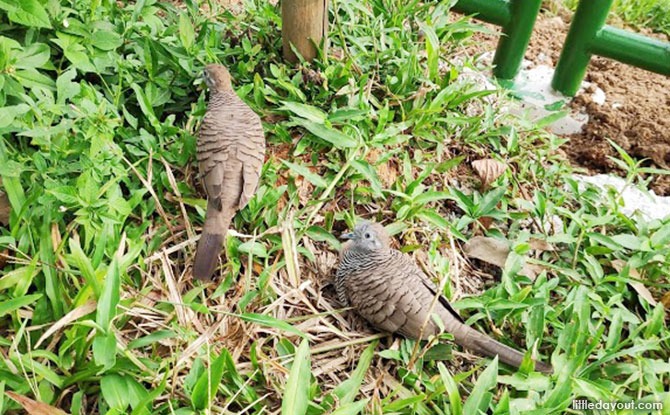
{"x":635,"y":114}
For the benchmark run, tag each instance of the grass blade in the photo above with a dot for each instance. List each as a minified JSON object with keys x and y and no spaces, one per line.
{"x":479,"y":399}
{"x":452,"y":389}
{"x":109,"y":298}
{"x":347,"y":390}
{"x":16,"y":303}
{"x":308,"y":112}
{"x":337,"y":138}
{"x":304,"y":171}
{"x":352,"y":408}
{"x":296,"y":398}
{"x":268,"y":321}
{"x":204,"y":390}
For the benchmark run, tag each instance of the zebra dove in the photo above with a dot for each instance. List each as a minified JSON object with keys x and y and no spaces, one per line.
{"x":388,"y":289}
{"x":231,"y":149}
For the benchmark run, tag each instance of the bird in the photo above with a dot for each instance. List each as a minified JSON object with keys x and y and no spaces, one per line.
{"x":230,"y":154}
{"x":389,"y":290}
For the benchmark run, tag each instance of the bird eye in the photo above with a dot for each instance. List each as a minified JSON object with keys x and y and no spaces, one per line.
{"x":367,"y":235}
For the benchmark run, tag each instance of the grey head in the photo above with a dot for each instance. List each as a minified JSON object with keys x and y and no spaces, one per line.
{"x":368,"y":236}
{"x":217,"y":78}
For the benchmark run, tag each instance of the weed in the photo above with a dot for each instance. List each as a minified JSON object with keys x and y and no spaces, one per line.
{"x":99,"y":105}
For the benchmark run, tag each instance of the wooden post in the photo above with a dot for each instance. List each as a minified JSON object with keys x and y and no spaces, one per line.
{"x":304,"y":23}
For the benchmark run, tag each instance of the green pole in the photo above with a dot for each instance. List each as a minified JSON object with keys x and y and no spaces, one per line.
{"x":496,"y":12}
{"x":516,"y":36}
{"x":517,"y":18}
{"x":587,"y":21}
{"x":631,"y":48}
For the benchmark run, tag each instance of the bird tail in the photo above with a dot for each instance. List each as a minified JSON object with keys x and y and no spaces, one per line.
{"x":210,"y":243}
{"x":472,"y":339}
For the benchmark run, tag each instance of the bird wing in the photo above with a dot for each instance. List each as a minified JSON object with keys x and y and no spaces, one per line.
{"x":212,"y":156}
{"x":395,"y":295}
{"x":231,"y":150}
{"x":251,"y":152}
{"x":424,"y":293}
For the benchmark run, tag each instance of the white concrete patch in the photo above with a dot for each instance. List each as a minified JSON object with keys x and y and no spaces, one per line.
{"x":539,"y":100}
{"x":647,"y":203}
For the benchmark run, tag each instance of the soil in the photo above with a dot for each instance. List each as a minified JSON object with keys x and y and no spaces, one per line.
{"x":636,"y":112}
{"x":635,"y":115}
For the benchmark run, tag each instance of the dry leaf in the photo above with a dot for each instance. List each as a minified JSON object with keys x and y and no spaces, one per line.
{"x":55,"y":236}
{"x":4,"y":255}
{"x":639,"y":287}
{"x":540,"y":245}
{"x":73,"y":315}
{"x":305,"y":189}
{"x":4,"y":208}
{"x":488,"y":170}
{"x":486,"y":222}
{"x":495,"y":252}
{"x":4,"y":220}
{"x":665,"y":300}
{"x":643,"y":291}
{"x":386,"y":171}
{"x":531,"y":270}
{"x":34,"y":407}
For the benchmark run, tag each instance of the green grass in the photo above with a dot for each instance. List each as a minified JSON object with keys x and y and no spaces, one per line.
{"x":99,"y":108}
{"x":652,"y":14}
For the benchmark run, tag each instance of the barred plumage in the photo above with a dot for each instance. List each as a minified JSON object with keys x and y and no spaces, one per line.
{"x":388,"y":289}
{"x":230,"y":153}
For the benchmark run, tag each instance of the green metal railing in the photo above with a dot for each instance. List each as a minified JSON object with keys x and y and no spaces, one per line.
{"x":588,"y":36}
{"x":517,"y":18}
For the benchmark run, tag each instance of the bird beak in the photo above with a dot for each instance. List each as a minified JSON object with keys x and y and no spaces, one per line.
{"x":349,"y":235}
{"x":205,"y":79}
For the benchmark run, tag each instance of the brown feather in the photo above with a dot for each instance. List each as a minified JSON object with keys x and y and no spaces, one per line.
{"x":230,"y":152}
{"x":388,"y":289}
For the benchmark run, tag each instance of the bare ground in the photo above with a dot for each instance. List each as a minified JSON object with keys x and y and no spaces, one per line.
{"x":635,"y":115}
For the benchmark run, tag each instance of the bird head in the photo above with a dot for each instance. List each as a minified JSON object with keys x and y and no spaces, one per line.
{"x":369,"y":236}
{"x":217,"y":78}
